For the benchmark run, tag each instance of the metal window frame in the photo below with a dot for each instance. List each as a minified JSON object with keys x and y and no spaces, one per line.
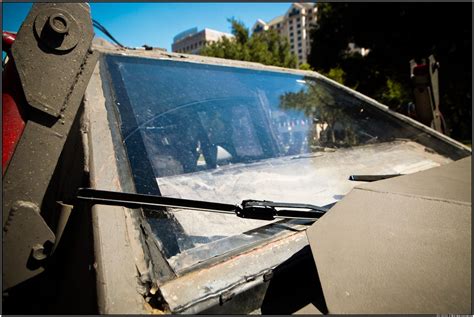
{"x":127,"y":260}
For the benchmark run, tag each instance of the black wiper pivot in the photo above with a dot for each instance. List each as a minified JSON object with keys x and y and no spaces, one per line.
{"x":269,"y":210}
{"x":250,"y":209}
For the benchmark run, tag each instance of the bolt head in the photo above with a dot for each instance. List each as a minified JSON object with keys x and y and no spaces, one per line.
{"x":59,"y":23}
{"x":38,"y":252}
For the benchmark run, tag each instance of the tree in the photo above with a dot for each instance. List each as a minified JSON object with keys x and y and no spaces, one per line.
{"x":319,"y":102}
{"x":395,"y":33}
{"x":268,"y":47}
{"x":305,"y":66}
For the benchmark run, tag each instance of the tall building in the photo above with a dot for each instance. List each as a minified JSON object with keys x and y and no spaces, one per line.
{"x":191,"y":41}
{"x":295,"y":25}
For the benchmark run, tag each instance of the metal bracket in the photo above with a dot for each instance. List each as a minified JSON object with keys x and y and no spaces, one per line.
{"x":54,"y":61}
{"x":49,"y":50}
{"x":28,"y":240}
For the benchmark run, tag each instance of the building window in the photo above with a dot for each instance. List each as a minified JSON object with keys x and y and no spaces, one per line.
{"x":299,"y":31}
{"x":291,"y":28}
{"x":299,"y":44}
{"x":259,"y":28}
{"x":300,"y":57}
{"x":278,"y":25}
{"x":293,"y":12}
{"x":300,"y":51}
{"x":292,"y":46}
{"x":292,"y":40}
{"x":291,"y":21}
{"x":299,"y":38}
{"x":298,"y":25}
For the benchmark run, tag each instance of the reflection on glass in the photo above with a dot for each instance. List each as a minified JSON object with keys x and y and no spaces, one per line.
{"x":226,"y":134}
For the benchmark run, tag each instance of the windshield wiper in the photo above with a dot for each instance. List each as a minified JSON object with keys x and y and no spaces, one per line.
{"x":250,"y":209}
{"x":371,"y":178}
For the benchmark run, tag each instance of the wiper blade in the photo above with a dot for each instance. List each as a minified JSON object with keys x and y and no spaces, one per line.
{"x":371,"y":178}
{"x":250,"y":209}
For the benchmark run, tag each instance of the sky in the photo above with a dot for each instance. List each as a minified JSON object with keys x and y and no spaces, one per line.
{"x":155,"y":24}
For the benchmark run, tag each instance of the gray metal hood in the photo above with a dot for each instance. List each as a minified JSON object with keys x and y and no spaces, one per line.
{"x":401,"y":245}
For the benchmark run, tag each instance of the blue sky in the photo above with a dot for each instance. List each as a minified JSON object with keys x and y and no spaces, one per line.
{"x":155,"y":24}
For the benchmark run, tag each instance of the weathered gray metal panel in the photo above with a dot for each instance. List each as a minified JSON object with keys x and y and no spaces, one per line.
{"x":32,"y":165}
{"x":203,"y":289}
{"x":309,"y":309}
{"x":119,"y":255}
{"x":450,"y":182}
{"x":403,"y":247}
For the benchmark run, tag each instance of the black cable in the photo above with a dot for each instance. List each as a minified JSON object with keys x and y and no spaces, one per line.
{"x":107,"y":33}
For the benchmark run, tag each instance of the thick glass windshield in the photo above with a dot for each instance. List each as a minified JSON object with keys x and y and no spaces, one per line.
{"x":225,"y":134}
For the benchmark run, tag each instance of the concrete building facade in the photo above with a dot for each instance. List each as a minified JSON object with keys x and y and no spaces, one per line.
{"x":191,"y":41}
{"x":295,"y":25}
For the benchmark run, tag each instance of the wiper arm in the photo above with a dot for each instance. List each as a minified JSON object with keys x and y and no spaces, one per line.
{"x":371,"y":178}
{"x":250,"y":209}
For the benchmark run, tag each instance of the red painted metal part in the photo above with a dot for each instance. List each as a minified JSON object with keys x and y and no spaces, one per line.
{"x":421,"y":70}
{"x":13,"y":99}
{"x":7,"y":40}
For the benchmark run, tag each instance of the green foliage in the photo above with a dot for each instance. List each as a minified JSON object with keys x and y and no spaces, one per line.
{"x":337,"y":74}
{"x":394,"y":93}
{"x":395,"y":33}
{"x":268,"y":48}
{"x":239,"y":30}
{"x":305,"y":66}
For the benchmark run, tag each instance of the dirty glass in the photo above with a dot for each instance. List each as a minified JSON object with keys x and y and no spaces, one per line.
{"x":226,"y":134}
